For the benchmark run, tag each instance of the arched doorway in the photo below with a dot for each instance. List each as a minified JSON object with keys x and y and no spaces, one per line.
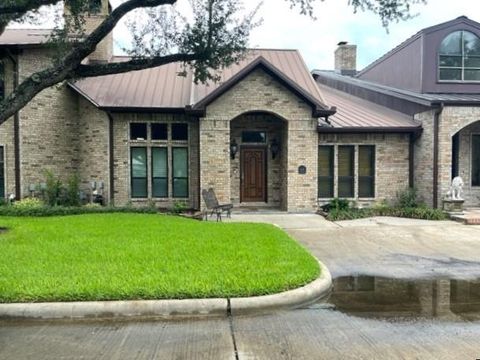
{"x":466,"y":161}
{"x":258,"y":175}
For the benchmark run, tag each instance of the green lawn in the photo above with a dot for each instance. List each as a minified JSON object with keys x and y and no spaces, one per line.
{"x":138,"y":256}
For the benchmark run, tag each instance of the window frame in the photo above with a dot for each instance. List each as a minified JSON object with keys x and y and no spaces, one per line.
{"x":462,"y":56}
{"x":136,"y":177}
{"x":183,"y":178}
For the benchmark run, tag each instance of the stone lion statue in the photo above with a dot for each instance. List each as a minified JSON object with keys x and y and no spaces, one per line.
{"x":456,"y":189}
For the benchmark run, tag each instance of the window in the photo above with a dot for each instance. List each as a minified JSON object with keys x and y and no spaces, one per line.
{"x":475,"y":160}
{"x":2,"y":80}
{"x":459,"y":57}
{"x":254,"y":137}
{"x":2,"y":173}
{"x":138,"y":131}
{"x":345,"y":171}
{"x":180,"y":172}
{"x":160,"y":172}
{"x":159,"y":131}
{"x":139,"y":172}
{"x":179,"y":131}
{"x":366,"y":171}
{"x":325,"y":171}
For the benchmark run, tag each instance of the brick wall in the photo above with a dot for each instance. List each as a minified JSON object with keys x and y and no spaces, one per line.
{"x":93,"y":156}
{"x":423,"y":158}
{"x":262,"y":93}
{"x":7,"y":136}
{"x":48,"y":127}
{"x":391,"y":165}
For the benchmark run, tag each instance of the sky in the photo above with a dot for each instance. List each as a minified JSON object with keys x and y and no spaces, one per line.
{"x":286,"y":28}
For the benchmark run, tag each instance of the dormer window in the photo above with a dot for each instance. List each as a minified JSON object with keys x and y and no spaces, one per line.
{"x":459,"y":57}
{"x":95,"y":6}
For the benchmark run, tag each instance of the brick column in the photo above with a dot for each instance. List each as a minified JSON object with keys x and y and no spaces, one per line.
{"x":215,"y":157}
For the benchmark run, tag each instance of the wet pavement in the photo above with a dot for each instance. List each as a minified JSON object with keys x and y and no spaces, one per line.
{"x":402,"y":290}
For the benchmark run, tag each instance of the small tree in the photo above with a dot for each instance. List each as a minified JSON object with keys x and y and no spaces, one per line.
{"x":53,"y":189}
{"x":72,"y":191}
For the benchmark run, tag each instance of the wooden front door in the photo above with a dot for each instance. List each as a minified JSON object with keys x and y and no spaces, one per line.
{"x":253,"y":175}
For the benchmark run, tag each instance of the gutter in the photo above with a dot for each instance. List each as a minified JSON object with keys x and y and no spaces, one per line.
{"x":377,"y":130}
{"x":436,"y":130}
{"x":16,"y":129}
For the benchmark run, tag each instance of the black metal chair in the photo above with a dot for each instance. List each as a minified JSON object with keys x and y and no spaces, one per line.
{"x":213,"y":207}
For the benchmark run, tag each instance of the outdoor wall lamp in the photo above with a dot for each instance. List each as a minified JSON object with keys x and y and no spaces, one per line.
{"x":274,"y":148}
{"x":233,"y":149}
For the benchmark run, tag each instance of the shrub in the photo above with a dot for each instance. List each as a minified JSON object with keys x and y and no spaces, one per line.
{"x":423,"y":213}
{"x":53,"y":189}
{"x":407,"y":198}
{"x":72,"y":191}
{"x":338,"y":204}
{"x":41,"y":211}
{"x":28,"y":203}
{"x":179,"y":207}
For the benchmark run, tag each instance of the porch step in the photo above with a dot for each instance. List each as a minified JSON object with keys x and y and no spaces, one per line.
{"x":469,"y":217}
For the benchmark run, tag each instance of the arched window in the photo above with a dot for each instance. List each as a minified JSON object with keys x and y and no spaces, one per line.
{"x":459,"y":57}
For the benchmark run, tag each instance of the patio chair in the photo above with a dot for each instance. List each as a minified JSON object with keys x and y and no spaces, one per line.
{"x":212,"y":205}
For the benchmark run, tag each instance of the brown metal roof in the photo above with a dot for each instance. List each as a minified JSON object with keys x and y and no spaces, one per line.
{"x":163,"y":88}
{"x":24,"y":36}
{"x":355,"y":113}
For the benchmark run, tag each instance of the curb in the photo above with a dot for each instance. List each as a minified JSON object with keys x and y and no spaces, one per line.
{"x":172,"y":309}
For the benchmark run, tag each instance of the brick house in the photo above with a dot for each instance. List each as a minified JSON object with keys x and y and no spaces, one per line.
{"x":433,"y":78}
{"x":268,"y":135}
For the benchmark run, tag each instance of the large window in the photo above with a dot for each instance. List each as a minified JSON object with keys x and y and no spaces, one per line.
{"x":139,"y":172}
{"x":159,"y":160}
{"x":325,"y":171}
{"x":180,"y":172}
{"x":459,"y":57}
{"x":352,"y":172}
{"x":346,"y":176}
{"x":366,"y":171}
{"x":475,"y":160}
{"x":2,"y":173}
{"x":159,"y":172}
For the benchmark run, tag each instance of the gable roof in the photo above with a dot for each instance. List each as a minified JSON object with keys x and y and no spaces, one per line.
{"x":21,"y":37}
{"x":460,"y":20}
{"x":162,"y":89}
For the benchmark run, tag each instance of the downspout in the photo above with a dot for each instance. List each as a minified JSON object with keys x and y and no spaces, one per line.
{"x":436,"y":130}
{"x":411,"y":159}
{"x":111,"y":167}
{"x":16,"y":130}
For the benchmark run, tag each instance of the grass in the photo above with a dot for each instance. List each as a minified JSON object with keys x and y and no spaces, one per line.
{"x":141,"y":256}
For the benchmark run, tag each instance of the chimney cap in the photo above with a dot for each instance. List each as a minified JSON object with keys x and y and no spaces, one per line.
{"x":342,"y":43}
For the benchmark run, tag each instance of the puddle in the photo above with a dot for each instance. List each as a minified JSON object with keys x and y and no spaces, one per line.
{"x":378,"y":297}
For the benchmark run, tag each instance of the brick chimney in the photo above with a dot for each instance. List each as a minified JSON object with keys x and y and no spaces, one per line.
{"x":346,"y":59}
{"x":98,"y":11}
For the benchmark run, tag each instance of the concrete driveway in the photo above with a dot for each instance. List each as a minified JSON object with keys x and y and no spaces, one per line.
{"x":381,"y":246}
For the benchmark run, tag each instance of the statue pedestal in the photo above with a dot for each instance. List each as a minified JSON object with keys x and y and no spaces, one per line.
{"x":453,"y":206}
